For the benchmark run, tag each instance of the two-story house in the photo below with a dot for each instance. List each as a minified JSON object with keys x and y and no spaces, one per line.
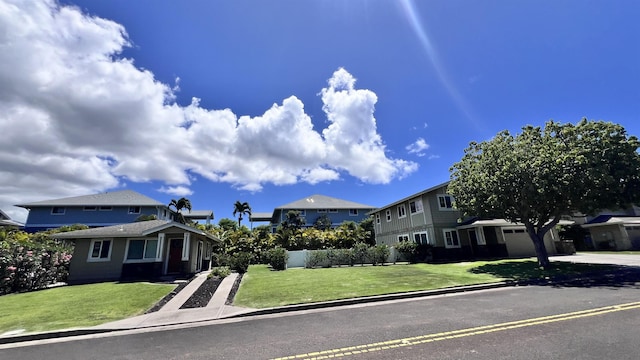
{"x":430,"y":217}
{"x":104,"y":209}
{"x":314,"y":207}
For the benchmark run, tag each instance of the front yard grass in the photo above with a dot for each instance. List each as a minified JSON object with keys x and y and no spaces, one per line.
{"x":262,"y":287}
{"x":77,"y":306}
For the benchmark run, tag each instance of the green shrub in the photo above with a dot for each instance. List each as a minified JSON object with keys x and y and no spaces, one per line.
{"x":315,"y":258}
{"x":408,"y":250}
{"x":220,"y":271}
{"x":379,"y":254}
{"x":278,"y":258}
{"x":32,"y":261}
{"x":240,"y":262}
{"x":360,"y":253}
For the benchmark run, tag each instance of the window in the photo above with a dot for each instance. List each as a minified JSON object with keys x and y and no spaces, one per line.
{"x":322,"y":210}
{"x":451,"y":238}
{"x":142,"y":249}
{"x":402,"y":212}
{"x":58,"y":210}
{"x":403,"y":237}
{"x":90,"y":208}
{"x":333,"y":210}
{"x":353,"y":212}
{"x":445,"y":202}
{"x":421,"y":238}
{"x":100,"y":250}
{"x":377,"y":218}
{"x":388,"y":215}
{"x":415,"y":206}
{"x":106,"y":208}
{"x":134,"y":209}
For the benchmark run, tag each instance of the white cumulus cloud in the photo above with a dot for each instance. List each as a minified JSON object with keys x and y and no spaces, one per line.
{"x":78,"y":118}
{"x":418,"y":147}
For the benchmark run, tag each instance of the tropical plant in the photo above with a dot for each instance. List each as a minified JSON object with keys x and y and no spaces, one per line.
{"x":539,"y":175}
{"x":179,"y":205}
{"x":278,"y":258}
{"x":241,"y":208}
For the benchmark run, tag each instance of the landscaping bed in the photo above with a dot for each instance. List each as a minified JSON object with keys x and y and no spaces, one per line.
{"x":203,"y":295}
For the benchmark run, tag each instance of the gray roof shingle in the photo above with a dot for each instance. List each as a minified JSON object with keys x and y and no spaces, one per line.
{"x":323,"y":202}
{"x":115,"y":198}
{"x":142,"y":228}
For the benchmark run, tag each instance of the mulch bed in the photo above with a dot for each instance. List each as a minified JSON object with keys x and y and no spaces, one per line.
{"x":168,"y":297}
{"x":201,"y":297}
{"x":234,"y":290}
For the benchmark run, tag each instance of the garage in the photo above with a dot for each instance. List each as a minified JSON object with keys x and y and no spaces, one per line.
{"x":518,"y":242}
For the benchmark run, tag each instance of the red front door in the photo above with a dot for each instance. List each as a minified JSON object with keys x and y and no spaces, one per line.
{"x":175,"y":256}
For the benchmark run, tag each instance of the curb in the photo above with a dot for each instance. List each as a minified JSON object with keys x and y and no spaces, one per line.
{"x":344,"y":302}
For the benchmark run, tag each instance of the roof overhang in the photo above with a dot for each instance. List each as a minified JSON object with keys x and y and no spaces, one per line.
{"x":635,"y":220}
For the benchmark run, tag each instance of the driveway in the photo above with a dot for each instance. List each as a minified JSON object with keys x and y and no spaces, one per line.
{"x":599,"y":258}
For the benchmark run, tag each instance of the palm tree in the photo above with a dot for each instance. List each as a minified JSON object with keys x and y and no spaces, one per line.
{"x":241,"y":208}
{"x":182,"y":203}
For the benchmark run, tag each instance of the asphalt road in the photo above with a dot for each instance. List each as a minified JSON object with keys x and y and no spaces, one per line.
{"x":584,"y":320}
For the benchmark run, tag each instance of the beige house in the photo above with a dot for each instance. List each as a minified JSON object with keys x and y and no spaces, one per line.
{"x":429,"y":217}
{"x":614,"y":232}
{"x":147,"y":250}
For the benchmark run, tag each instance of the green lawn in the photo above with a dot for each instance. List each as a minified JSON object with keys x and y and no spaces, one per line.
{"x":77,"y":306}
{"x":261,"y":287}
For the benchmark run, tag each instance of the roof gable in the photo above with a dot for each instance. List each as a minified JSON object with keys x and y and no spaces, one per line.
{"x":115,"y":198}
{"x":142,"y":228}
{"x":323,"y":202}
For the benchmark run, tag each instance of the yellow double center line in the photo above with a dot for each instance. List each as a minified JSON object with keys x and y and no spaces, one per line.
{"x":448,"y":335}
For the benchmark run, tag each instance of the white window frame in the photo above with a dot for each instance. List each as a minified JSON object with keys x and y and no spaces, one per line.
{"x":134,"y":209}
{"x":402,"y":211}
{"x":333,"y":210}
{"x":419,"y":235}
{"x":186,"y":244}
{"x":105,"y":208}
{"x":90,"y":208}
{"x":443,"y":198}
{"x":479,"y":236}
{"x":353,"y":212}
{"x":99,"y":259}
{"x":403,"y":237}
{"x":322,"y":211}
{"x":388,"y":215}
{"x":144,"y":259}
{"x":378,"y":218}
{"x":417,"y":205}
{"x":451,"y":231}
{"x":53,"y":212}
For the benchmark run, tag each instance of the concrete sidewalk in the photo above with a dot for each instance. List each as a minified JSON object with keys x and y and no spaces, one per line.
{"x":171,"y":314}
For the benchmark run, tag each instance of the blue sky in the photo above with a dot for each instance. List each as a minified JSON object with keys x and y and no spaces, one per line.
{"x":369,"y":101}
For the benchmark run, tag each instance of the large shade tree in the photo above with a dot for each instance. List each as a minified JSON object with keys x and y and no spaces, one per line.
{"x":540,"y":174}
{"x":241,"y":208}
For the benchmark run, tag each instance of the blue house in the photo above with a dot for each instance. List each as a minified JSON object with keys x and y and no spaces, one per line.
{"x":314,"y":207}
{"x":105,"y":209}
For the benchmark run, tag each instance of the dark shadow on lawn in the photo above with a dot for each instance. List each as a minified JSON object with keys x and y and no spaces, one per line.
{"x":562,"y":274}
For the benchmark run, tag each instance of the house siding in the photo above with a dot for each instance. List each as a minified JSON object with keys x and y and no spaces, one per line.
{"x":41,"y":218}
{"x":82,"y":271}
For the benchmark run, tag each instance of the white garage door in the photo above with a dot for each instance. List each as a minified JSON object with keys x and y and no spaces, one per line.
{"x":518,"y":243}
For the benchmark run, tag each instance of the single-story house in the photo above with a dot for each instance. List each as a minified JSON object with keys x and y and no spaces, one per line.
{"x":613,"y":232}
{"x":140,"y":250}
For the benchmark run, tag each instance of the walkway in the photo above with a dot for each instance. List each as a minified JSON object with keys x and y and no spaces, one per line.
{"x":171,"y":313}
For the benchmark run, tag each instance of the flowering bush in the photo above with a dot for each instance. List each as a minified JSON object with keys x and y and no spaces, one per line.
{"x":31,"y":261}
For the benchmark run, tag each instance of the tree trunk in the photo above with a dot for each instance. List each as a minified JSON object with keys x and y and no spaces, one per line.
{"x":541,"y":250}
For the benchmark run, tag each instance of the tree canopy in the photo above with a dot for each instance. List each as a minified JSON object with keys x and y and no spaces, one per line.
{"x":540,"y":174}
{"x":240,"y":208}
{"x":182,"y":203}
